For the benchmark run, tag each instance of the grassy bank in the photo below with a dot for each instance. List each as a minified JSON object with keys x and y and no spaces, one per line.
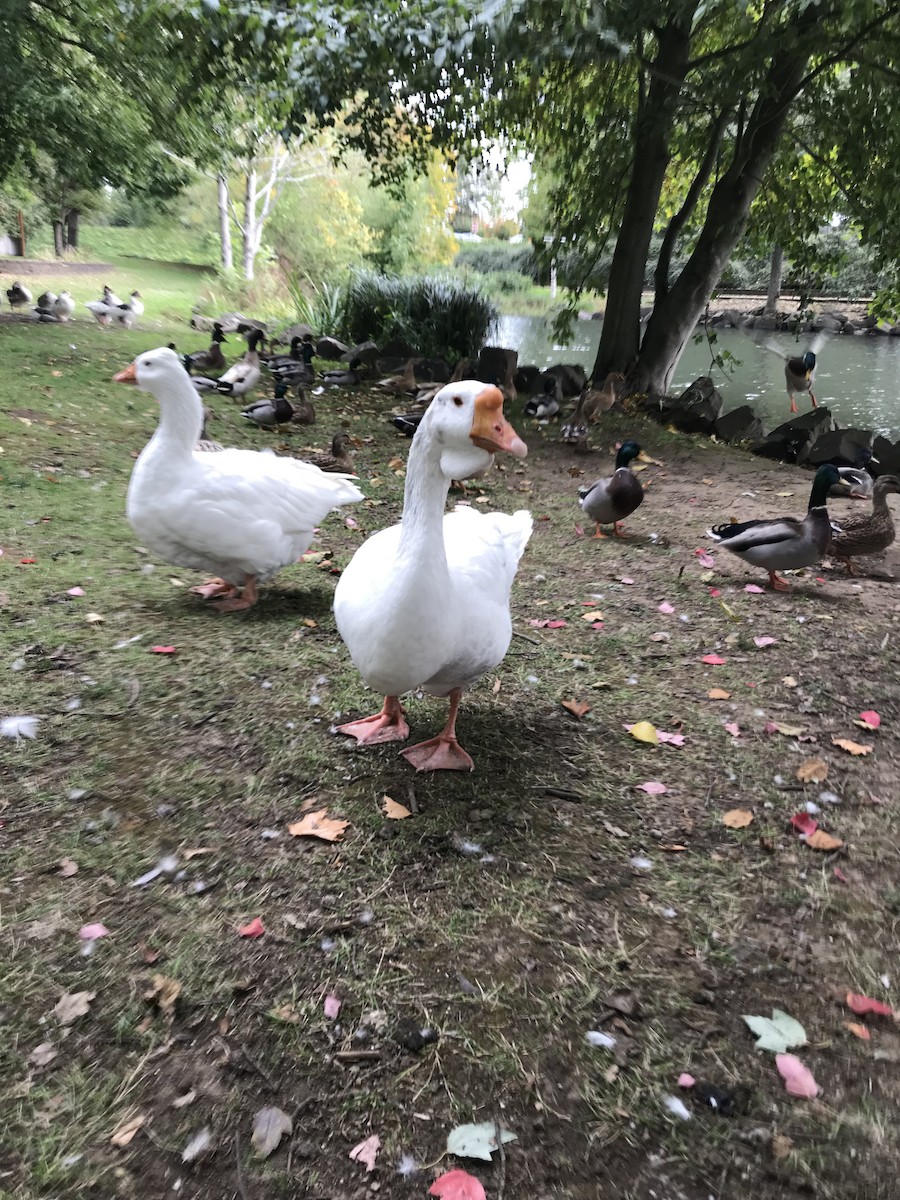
{"x":587,"y":905}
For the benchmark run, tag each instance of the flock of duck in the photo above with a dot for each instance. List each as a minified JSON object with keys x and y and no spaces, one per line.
{"x":108,"y":310}
{"x":425,"y":603}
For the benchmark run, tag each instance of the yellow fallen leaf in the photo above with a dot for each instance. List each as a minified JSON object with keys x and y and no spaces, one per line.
{"x":728,"y":610}
{"x":319,"y":825}
{"x":860,"y":1031}
{"x":593,"y":615}
{"x":708,"y":482}
{"x":789,"y":681}
{"x":126,"y":1132}
{"x":576,"y":707}
{"x":394,"y":810}
{"x":309,"y":623}
{"x":163,"y":992}
{"x":718,"y":694}
{"x":396,"y":463}
{"x":820,"y":840}
{"x":851,"y":747}
{"x":644,"y":732}
{"x":789,"y":730}
{"x":813,"y":770}
{"x":737,"y":818}
{"x":94,"y":618}
{"x":496,"y":688}
{"x":785,"y":495}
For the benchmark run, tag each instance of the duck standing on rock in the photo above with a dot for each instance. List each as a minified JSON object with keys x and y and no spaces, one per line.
{"x":785,"y":543}
{"x":870,"y":533}
{"x":240,"y":514}
{"x":609,"y":501}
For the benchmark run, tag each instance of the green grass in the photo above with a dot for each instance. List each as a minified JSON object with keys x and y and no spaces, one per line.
{"x":168,"y":244}
{"x":206,"y":749}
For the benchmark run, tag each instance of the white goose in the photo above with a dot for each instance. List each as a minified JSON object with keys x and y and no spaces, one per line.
{"x":426,"y":603}
{"x":240,"y":514}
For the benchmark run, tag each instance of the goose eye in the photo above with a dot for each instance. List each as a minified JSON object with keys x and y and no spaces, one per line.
{"x":457,"y":400}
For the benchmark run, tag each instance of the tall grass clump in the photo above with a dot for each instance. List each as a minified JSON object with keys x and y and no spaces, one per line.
{"x":321,"y":308}
{"x":440,"y":318}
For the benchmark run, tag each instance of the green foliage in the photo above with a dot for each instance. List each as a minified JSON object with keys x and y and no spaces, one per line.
{"x":317,"y":229}
{"x":491,"y":257}
{"x":322,"y":310}
{"x":439,"y":317}
{"x":409,"y":224}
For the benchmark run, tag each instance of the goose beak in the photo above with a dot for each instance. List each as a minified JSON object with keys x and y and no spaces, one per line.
{"x":490,"y":429}
{"x":129,"y":375}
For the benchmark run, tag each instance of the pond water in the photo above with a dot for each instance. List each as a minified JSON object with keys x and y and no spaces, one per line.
{"x":857,"y":377}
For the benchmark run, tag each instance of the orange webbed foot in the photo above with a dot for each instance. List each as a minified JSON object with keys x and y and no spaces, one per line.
{"x":438,"y":754}
{"x":388,"y":725}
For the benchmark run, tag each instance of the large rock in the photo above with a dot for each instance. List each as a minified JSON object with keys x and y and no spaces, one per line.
{"x":398,"y":348}
{"x":838,"y":446}
{"x":888,"y":457}
{"x":828,"y":323}
{"x":496,"y":363}
{"x":526,"y":380}
{"x":287,"y":335}
{"x":572,"y":378}
{"x":848,"y":327}
{"x":432,"y":370}
{"x":331,"y":348}
{"x":795,"y":437}
{"x":740,"y":425}
{"x":697,"y":409}
{"x":366,"y":352}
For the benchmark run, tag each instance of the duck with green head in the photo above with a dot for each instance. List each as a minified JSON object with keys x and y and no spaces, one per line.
{"x":785,"y":543}
{"x":609,"y":501}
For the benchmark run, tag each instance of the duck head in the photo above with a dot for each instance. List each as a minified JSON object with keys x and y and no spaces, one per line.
{"x":627,"y":453}
{"x":466,"y":419}
{"x":809,"y":360}
{"x":218,"y":334}
{"x":826,"y":478}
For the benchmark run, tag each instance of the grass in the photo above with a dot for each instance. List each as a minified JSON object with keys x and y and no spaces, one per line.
{"x":510,"y":953}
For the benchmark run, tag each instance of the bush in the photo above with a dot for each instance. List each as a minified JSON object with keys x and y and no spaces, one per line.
{"x":489,"y":258}
{"x":442,"y":318}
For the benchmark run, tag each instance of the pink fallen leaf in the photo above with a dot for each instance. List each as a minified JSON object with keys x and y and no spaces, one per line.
{"x":162,"y":649}
{"x":733,"y":728}
{"x":457,"y":1185}
{"x":90,"y":933}
{"x":652,"y":787}
{"x":798,"y":1080}
{"x":840,"y":876}
{"x":665,"y":607}
{"x":770,"y":727}
{"x":255,"y":929}
{"x":579,"y":531}
{"x":804,"y":824}
{"x":706,"y":560}
{"x":332,"y":1006}
{"x":752,"y":588}
{"x":868,"y":720}
{"x":715,"y":592}
{"x":673,"y":739}
{"x":351,"y":523}
{"x":75,"y":591}
{"x":366,"y":1152}
{"x":714,"y":660}
{"x":625,"y":579}
{"x":685,"y":1080}
{"x":764,"y":641}
{"x":863,"y":1004}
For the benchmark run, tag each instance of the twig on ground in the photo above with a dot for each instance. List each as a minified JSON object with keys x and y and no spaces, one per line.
{"x":242,"y":1187}
{"x":501,"y":1182}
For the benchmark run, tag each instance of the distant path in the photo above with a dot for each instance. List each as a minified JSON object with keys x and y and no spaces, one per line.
{"x":35,"y":266}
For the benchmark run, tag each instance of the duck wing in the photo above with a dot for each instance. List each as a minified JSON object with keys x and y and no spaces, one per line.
{"x":749,"y":535}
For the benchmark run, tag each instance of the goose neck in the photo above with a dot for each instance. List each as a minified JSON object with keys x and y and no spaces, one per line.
{"x":425,"y":495}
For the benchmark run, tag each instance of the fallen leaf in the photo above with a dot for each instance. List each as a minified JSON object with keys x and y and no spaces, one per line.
{"x":162,"y":649}
{"x":764,"y":641}
{"x":577,"y":708}
{"x":685,"y":1080}
{"x":457,"y":1185}
{"x":477,"y":1141}
{"x":665,"y":607}
{"x":67,"y":868}
{"x":860,"y":1031}
{"x":798,"y":1080}
{"x":90,"y":933}
{"x":126,"y":1132}
{"x":75,"y":591}
{"x":94,"y":618}
{"x":868,"y":720}
{"x":366,"y":1152}
{"x":754,"y":589}
{"x":652,"y":787}
{"x":777,"y":1033}
{"x":626,"y":579}
{"x":714,"y":660}
{"x":820,"y":840}
{"x":706,"y":560}
{"x":198,"y":1145}
{"x":812,"y":770}
{"x":72,"y":1005}
{"x":594,"y":615}
{"x":789,"y":681}
{"x":660,"y":637}
{"x":864,"y":1004}
{"x":670,"y":739}
{"x":781,"y":1145}
{"x":254,"y":930}
{"x":163,"y":992}
{"x":42,"y":1054}
{"x":737,"y":818}
{"x":851,"y":747}
{"x":787,"y":730}
{"x":733,"y":728}
{"x":269,"y":1126}
{"x":332,"y":1006}
{"x":643,"y":731}
{"x":319,"y":825}
{"x":718,"y":694}
{"x":804,"y":824}
{"x":394,"y":810}
{"x":840,"y":876}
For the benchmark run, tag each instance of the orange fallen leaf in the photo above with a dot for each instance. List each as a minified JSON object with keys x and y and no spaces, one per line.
{"x":593,"y":615}
{"x":394,"y":810}
{"x":496,"y":688}
{"x":319,"y":825}
{"x":737,"y":818}
{"x":718,"y":694}
{"x":126,"y":1132}
{"x":187,"y":855}
{"x":577,"y":708}
{"x":851,"y":747}
{"x":820,"y":840}
{"x":396,"y":464}
{"x":859,"y":1031}
{"x":813,"y":770}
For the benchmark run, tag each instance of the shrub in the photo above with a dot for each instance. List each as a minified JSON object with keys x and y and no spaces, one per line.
{"x":322,"y":310}
{"x":488,"y":258}
{"x":439,"y":317}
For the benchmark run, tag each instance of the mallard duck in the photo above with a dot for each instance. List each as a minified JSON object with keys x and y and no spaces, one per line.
{"x":204,"y":444}
{"x":59,"y":308}
{"x":110,"y":298}
{"x":302,"y":351}
{"x":211,"y":359}
{"x":425,"y":603}
{"x":403,"y":384}
{"x":18,"y":296}
{"x":408,"y":423}
{"x":45,"y":299}
{"x":126,"y":314}
{"x":242,"y":376}
{"x":268,"y":413}
{"x":242,"y":514}
{"x":609,"y":501}
{"x":102,"y":311}
{"x":345,"y":378}
{"x":798,"y":376}
{"x":868,"y":533}
{"x":339,"y":459}
{"x":785,"y":543}
{"x":545,"y":405}
{"x":856,"y":481}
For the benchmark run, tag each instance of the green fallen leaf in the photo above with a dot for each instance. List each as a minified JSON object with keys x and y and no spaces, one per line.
{"x":778,"y":1033}
{"x":477,"y":1141}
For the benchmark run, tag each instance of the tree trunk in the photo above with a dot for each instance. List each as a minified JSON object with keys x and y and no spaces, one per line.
{"x":621,"y":335}
{"x":227,"y":256}
{"x":59,"y":244}
{"x":673,"y":321}
{"x":776,"y":268}
{"x":72,"y":218}
{"x":250,"y":240}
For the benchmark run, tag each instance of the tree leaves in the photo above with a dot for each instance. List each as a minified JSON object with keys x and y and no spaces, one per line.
{"x":457,"y":1185}
{"x":652,"y":787}
{"x":255,"y":929}
{"x":812,"y":770}
{"x":868,"y":720}
{"x":270,"y":1125}
{"x":777,"y":1033}
{"x":319,"y":825}
{"x":851,"y":747}
{"x":366,"y":1152}
{"x":72,"y":1005}
{"x":393,"y":810}
{"x":577,"y":708}
{"x":737,"y":818}
{"x":798,"y":1080}
{"x":126,"y":1131}
{"x":718,"y":694}
{"x":820,"y":840}
{"x":863,"y":1004}
{"x":714,"y":660}
{"x":477,"y":1141}
{"x":643,"y":731}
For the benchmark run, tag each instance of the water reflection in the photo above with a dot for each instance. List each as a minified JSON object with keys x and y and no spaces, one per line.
{"x":857,"y":377}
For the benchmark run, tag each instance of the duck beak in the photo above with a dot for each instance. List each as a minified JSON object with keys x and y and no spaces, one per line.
{"x":490,"y":429}
{"x":129,"y":375}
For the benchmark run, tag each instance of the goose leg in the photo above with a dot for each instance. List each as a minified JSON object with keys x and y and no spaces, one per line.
{"x":386,"y":726}
{"x":441,"y":753}
{"x":247,"y":598}
{"x":214,"y":587}
{"x":779,"y":584}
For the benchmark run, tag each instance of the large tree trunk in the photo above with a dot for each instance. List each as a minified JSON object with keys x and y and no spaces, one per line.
{"x":776,"y":269}
{"x":72,"y":218}
{"x":674,"y":320}
{"x":59,"y":241}
{"x":249,"y":230}
{"x":227,"y":256}
{"x":621,"y":334}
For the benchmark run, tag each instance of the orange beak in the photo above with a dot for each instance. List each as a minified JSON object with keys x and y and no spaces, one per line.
{"x":129,"y":375}
{"x":490,"y":429}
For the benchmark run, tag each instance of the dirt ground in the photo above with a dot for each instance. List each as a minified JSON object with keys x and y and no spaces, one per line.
{"x":475,"y":944}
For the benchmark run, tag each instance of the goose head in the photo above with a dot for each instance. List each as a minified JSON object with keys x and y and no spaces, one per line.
{"x":466,"y":420}
{"x":159,"y":372}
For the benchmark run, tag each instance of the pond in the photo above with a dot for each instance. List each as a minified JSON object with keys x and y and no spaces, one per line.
{"x":857,"y":377}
